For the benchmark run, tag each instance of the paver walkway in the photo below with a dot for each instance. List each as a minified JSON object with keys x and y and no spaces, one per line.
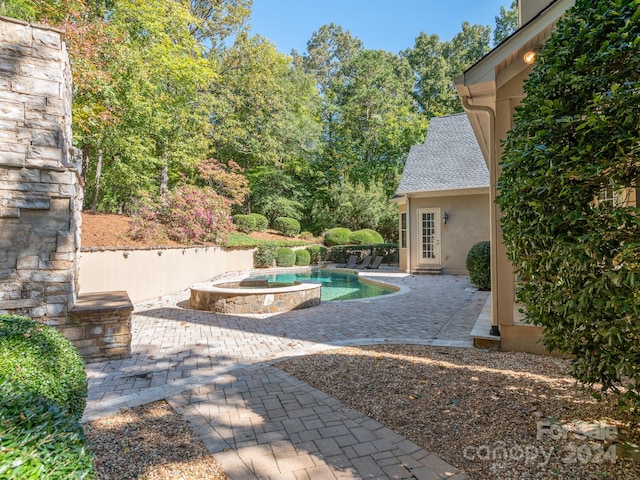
{"x":259,"y":422}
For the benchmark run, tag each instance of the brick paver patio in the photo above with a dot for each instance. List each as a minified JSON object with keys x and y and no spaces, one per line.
{"x":260,"y":422}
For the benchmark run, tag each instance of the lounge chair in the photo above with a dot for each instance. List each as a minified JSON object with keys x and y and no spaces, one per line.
{"x":351,"y":263}
{"x":365,"y":263}
{"x":376,"y":262}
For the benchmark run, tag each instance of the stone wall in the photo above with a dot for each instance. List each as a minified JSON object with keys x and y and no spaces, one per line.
{"x":40,"y":187}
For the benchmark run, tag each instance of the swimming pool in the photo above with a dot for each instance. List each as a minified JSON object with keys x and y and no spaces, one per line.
{"x":336,"y":284}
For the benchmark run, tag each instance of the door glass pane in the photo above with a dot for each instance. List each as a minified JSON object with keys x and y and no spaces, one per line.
{"x":428,"y":235}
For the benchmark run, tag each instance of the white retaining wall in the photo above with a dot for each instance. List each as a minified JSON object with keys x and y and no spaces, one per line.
{"x":151,"y":273}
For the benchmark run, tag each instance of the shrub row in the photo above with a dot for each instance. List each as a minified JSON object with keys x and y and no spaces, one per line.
{"x":266,"y":255}
{"x":344,"y":236}
{"x":43,"y":390}
{"x":341,"y":253}
{"x":289,"y":227}
{"x":253,"y":222}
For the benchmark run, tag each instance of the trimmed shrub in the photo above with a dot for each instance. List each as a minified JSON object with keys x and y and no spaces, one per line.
{"x":336,"y":236}
{"x":265,"y":255}
{"x":244,"y":223}
{"x":289,"y":227}
{"x":479,"y":265}
{"x":261,"y":222}
{"x":318,"y":253}
{"x":365,"y":236}
{"x":40,"y":359}
{"x":285,"y":257}
{"x":303,"y":258}
{"x":39,"y":439}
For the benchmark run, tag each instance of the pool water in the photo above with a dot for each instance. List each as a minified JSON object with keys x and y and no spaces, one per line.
{"x":336,"y":284}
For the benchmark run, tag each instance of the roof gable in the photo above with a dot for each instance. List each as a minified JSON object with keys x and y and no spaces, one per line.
{"x":449,"y":159}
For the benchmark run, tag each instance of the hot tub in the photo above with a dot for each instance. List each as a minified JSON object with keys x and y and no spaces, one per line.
{"x":254,"y":296}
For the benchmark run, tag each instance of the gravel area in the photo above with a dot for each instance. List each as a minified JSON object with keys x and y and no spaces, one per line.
{"x":491,"y":414}
{"x":149,"y":442}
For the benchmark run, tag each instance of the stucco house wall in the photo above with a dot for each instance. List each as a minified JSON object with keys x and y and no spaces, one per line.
{"x":468,"y":223}
{"x":490,"y":90}
{"x":445,"y":175}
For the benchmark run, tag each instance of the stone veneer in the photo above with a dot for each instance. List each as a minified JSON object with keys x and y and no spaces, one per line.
{"x":40,"y":176}
{"x":230,"y":299}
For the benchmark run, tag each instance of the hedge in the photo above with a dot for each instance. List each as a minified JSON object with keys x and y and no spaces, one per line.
{"x":341,"y":253}
{"x":265,"y":255}
{"x":285,"y":257}
{"x":303,"y":258}
{"x":289,"y":227}
{"x":365,"y":236}
{"x":337,"y":236}
{"x":39,"y":438}
{"x":40,"y":359}
{"x":245,"y":223}
{"x":318,"y":253}
{"x":261,"y":222}
{"x":479,"y":265}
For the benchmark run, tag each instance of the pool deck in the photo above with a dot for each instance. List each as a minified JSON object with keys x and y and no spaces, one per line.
{"x":261,"y":423}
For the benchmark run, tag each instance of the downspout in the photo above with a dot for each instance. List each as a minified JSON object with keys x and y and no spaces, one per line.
{"x":493,"y":217}
{"x":406,"y":196}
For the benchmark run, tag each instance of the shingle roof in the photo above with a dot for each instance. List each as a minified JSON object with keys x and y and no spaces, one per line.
{"x":449,"y":159}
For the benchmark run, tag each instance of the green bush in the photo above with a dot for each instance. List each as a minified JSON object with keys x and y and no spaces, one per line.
{"x":365,"y":237}
{"x":261,"y":222}
{"x":479,"y":265}
{"x":39,"y":439}
{"x":244,"y":223}
{"x":285,"y":257}
{"x":265,"y":255}
{"x":40,"y":359}
{"x":289,"y":227}
{"x":303,"y":258}
{"x":575,"y":139}
{"x":318,"y":253}
{"x":337,"y":236}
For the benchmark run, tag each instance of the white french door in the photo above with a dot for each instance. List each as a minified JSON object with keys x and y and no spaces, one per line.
{"x":429,"y":236}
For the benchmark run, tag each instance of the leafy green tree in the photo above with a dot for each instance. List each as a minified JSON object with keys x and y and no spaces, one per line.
{"x":378,"y":119}
{"x":506,"y":23}
{"x":356,"y":207}
{"x":264,"y":108}
{"x":219,"y":20}
{"x":436,"y":63}
{"x":571,"y":157}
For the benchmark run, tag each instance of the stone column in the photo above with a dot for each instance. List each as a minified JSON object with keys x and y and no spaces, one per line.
{"x":40,"y":185}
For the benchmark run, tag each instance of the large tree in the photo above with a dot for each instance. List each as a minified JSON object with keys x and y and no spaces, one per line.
{"x":569,"y":162}
{"x":506,"y":23}
{"x":378,"y":119}
{"x":436,"y":63}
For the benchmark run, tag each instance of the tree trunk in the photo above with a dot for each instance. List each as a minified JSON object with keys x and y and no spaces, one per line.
{"x":96,"y":190}
{"x":164,"y":176}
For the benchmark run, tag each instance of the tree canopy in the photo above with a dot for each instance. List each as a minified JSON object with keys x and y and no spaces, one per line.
{"x":161,"y":88}
{"x":568,"y":193}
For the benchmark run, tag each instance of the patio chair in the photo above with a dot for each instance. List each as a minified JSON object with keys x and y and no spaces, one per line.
{"x":365,"y":263}
{"x":351,"y":263}
{"x":376,"y":262}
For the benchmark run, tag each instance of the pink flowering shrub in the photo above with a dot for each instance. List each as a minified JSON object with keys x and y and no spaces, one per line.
{"x":193,"y":214}
{"x":187,"y":214}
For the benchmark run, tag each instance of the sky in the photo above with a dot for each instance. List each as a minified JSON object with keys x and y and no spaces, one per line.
{"x":390,"y":25}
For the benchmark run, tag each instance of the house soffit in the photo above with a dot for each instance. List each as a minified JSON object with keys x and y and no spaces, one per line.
{"x":505,"y":61}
